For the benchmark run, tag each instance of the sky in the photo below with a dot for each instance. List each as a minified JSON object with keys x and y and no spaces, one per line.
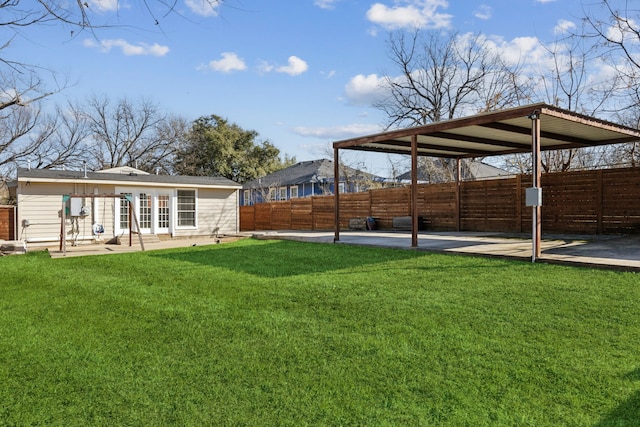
{"x":302,"y":73}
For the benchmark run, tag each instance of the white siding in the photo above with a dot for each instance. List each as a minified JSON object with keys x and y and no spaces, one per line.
{"x":41,"y":205}
{"x":216,"y":209}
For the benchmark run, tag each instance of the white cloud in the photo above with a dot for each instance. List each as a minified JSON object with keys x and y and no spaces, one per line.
{"x":365,"y":90}
{"x":203,"y":7}
{"x":338,"y":132}
{"x":563,"y":26}
{"x":325,"y":4}
{"x":228,"y":63}
{"x":410,"y":14}
{"x":104,"y":5}
{"x":295,"y":66}
{"x":265,"y":67}
{"x":518,"y":51}
{"x":127,"y":48}
{"x":545,"y":1}
{"x":483,"y":12}
{"x":623,"y":33}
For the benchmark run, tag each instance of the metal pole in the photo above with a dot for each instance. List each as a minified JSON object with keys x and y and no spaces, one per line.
{"x":336,"y":195}
{"x":536,"y":228}
{"x":414,"y":191}
{"x":458,"y":179}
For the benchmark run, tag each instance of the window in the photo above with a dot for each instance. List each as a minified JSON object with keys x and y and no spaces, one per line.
{"x":272,"y":194}
{"x":247,"y":197}
{"x":186,"y":208}
{"x":283,"y":193}
{"x":293,"y":191}
{"x":341,"y":187}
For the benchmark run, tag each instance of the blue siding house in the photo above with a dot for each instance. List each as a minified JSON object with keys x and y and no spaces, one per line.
{"x":305,"y":179}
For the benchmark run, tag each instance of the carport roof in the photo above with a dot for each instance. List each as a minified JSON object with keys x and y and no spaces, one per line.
{"x":496,"y":133}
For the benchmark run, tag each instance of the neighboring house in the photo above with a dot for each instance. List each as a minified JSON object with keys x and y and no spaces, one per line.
{"x":304,"y":179}
{"x":471,"y":170}
{"x":175,"y":206}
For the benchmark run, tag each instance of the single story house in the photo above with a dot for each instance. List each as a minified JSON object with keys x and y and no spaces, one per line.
{"x":173,"y":206}
{"x":304,"y":179}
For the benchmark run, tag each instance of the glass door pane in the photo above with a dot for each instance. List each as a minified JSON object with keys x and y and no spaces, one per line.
{"x":124,"y":213}
{"x":163,"y":213}
{"x":145,"y":211}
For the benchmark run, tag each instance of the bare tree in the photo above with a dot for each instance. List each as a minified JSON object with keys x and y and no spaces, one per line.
{"x":25,"y":133}
{"x":29,"y":137}
{"x":565,"y":79}
{"x":613,"y":26}
{"x":443,"y":78}
{"x":132,"y":133}
{"x":616,"y":29}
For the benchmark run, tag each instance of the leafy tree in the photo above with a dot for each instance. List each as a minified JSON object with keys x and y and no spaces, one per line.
{"x":215,"y":147}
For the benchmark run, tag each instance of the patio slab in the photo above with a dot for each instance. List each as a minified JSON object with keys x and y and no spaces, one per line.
{"x":618,"y":252}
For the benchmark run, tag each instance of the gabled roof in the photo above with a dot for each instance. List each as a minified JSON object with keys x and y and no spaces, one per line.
{"x":307,"y":172}
{"x":105,"y":177}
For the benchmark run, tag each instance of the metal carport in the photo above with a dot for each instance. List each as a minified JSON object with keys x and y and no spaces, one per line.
{"x":531,"y":128}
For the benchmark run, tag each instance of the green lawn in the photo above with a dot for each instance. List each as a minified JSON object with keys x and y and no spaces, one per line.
{"x":289,"y":333}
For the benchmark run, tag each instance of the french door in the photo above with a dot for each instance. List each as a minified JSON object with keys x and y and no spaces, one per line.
{"x":152,"y":208}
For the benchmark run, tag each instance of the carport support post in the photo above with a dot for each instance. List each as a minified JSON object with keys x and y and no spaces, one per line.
{"x":414,"y":191}
{"x":536,"y":178}
{"x":336,"y":194}
{"x":458,"y":178}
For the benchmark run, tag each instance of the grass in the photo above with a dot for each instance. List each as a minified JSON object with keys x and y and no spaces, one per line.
{"x":294,"y":334}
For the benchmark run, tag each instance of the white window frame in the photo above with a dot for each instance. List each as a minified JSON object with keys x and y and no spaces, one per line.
{"x":272,"y":194}
{"x":195,"y":209}
{"x":283,"y":190}
{"x":247,"y":198}
{"x":341,"y":187}
{"x":293,"y":191}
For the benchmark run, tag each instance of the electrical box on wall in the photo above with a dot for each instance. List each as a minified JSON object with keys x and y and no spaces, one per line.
{"x":533,"y":196}
{"x":76,"y":208}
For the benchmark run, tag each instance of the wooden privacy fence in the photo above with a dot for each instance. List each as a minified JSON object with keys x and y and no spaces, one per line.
{"x":586,"y":202}
{"x":7,"y":222}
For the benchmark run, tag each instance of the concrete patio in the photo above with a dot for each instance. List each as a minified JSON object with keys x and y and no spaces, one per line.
{"x":618,"y":252}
